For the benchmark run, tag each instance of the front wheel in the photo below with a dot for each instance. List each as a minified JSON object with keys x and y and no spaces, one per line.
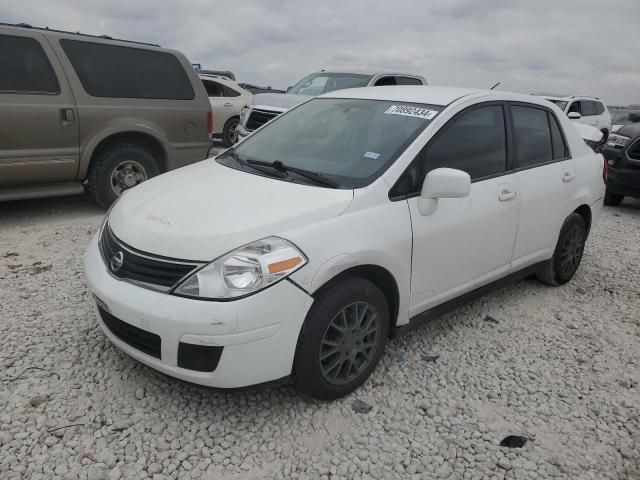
{"x":560,"y":268}
{"x":342,"y":339}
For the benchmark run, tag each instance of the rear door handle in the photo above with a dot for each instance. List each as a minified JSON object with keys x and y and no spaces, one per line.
{"x":567,"y":177}
{"x":228,"y":104}
{"x":67,"y":117}
{"x":507,"y":195}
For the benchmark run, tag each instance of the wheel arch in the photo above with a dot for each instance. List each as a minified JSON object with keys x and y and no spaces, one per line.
{"x":144,"y":139}
{"x":585,"y":212}
{"x":379,"y":276}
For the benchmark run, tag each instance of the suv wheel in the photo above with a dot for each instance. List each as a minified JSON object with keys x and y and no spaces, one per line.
{"x":612,"y":199}
{"x":566,"y":258}
{"x":229,"y":135}
{"x":117,"y":168}
{"x":342,"y":339}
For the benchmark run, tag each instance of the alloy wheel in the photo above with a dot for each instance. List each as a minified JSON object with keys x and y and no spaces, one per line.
{"x":349,"y":343}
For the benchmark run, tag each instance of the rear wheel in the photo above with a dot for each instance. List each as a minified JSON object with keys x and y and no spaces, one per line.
{"x":117,"y":168}
{"x":229,"y":135}
{"x":342,"y":339}
{"x":566,"y":258}
{"x":612,"y":199}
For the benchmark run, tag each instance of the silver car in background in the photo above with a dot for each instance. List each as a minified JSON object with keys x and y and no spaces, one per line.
{"x":266,"y":106}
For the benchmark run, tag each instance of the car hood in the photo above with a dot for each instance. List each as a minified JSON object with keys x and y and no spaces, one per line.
{"x":204,"y":210}
{"x":631,"y":130}
{"x":281,"y":101}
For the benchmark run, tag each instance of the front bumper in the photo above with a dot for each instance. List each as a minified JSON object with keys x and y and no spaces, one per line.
{"x":258,"y":334}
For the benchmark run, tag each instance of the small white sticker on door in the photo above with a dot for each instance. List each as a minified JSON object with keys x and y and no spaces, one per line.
{"x":409,"y":111}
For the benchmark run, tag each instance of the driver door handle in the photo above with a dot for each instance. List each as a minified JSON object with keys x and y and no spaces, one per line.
{"x":228,"y":104}
{"x":567,"y":177}
{"x":507,"y":195}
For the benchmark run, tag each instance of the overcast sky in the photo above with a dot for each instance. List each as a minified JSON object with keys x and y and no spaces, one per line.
{"x":587,"y":47}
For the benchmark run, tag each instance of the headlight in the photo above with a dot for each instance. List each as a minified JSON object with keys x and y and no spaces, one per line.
{"x":616,"y":140}
{"x":243,"y":114}
{"x":244,"y":271}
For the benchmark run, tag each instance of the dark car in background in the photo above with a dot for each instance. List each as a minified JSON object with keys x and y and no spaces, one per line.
{"x":622,"y":153}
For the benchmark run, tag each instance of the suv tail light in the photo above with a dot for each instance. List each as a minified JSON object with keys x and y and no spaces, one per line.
{"x":210,"y":123}
{"x":605,"y":171}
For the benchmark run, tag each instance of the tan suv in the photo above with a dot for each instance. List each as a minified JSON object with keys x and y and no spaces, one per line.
{"x":82,"y":110}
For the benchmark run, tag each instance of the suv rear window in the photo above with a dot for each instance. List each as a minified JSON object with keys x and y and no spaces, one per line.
{"x":24,"y":67}
{"x":126,"y":72}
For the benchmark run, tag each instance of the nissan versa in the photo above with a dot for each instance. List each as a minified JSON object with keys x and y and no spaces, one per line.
{"x":351,"y":218}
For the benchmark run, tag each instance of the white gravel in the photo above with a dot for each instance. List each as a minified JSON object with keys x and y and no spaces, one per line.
{"x":560,"y":367}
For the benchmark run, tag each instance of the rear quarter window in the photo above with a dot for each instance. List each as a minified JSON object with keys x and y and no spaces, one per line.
{"x":127,"y":72}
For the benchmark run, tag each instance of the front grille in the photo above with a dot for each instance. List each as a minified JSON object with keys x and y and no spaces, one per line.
{"x":257,"y":118}
{"x":131,"y":264}
{"x":135,"y":337}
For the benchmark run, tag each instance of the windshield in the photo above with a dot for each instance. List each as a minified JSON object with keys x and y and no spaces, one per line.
{"x":350,"y":142}
{"x":318,"y":83}
{"x":562,"y":104}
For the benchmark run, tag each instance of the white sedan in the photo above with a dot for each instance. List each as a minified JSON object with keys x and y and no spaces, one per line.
{"x":353,"y":217}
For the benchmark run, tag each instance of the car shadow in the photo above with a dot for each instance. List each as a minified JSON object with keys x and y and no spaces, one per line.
{"x":40,"y":209}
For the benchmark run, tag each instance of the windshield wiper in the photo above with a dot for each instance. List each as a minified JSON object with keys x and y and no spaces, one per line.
{"x":317,"y":178}
{"x":254,"y":164}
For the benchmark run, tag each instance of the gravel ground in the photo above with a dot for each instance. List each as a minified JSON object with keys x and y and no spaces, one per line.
{"x":559,"y":366}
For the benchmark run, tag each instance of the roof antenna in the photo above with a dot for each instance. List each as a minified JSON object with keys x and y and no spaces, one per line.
{"x":495,"y":85}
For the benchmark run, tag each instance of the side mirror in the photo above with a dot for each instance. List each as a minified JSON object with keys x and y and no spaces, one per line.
{"x":446,"y":183}
{"x":574,"y":116}
{"x":443,"y":183}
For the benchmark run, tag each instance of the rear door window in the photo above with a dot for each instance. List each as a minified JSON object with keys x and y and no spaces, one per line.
{"x":127,"y":72}
{"x":588,"y":108}
{"x":408,"y":81}
{"x":229,"y":92}
{"x":474,"y":141}
{"x":388,"y":80}
{"x":25,"y":68}
{"x":532,"y":136}
{"x":599,"y":108}
{"x":213,"y":89}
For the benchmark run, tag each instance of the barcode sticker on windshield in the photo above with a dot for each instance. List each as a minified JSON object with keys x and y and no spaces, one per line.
{"x":408,"y":111}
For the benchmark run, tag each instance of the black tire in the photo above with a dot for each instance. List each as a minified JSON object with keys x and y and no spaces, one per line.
{"x":567,"y":255}
{"x":313,"y":374}
{"x":228,"y":138}
{"x":111,"y":158}
{"x":612,"y":199}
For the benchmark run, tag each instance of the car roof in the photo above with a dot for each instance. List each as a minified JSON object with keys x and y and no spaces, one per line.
{"x":432,"y":94}
{"x":369,"y":72}
{"x":565,"y":97}
{"x":427,"y":94}
{"x":220,"y":78}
